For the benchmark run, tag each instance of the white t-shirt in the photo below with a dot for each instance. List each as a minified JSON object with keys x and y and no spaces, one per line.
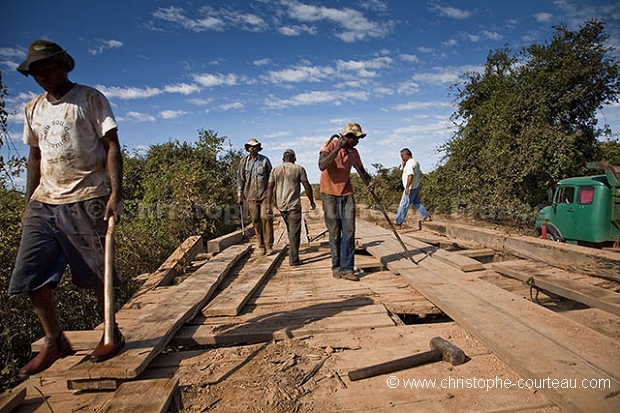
{"x":412,"y":167}
{"x":68,"y":133}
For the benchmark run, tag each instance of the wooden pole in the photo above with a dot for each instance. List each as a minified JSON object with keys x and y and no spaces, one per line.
{"x":108,"y":284}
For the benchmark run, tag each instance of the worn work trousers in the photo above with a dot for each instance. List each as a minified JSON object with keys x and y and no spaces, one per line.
{"x":413,"y":198}
{"x":292,"y":219}
{"x":339,"y":214}
{"x":263,"y":223}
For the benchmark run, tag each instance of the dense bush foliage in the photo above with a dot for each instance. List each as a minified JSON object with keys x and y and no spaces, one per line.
{"x":524,"y":123}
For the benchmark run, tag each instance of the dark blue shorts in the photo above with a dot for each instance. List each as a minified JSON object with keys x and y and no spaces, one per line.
{"x":56,"y":235}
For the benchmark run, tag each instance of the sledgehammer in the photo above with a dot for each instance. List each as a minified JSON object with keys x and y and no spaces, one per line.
{"x":440,"y":350}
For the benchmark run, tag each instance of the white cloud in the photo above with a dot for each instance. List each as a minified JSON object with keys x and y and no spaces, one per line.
{"x":445,"y":75}
{"x":209,"y":18}
{"x":472,"y":37}
{"x":450,"y":43}
{"x":172,"y":114}
{"x":408,"y":88}
{"x":105,"y":45}
{"x":299,"y":74}
{"x":200,"y":102}
{"x":364,"y":68}
{"x":11,"y":65}
{"x":11,"y":52}
{"x":262,"y":62}
{"x":354,"y":25}
{"x":177,"y":15}
{"x":280,"y":134}
{"x":140,"y":117}
{"x":218,"y":79}
{"x":543,"y":17}
{"x":230,"y":106}
{"x":314,"y":98}
{"x":128,"y":92}
{"x":245,"y":21}
{"x":182,"y":88}
{"x":451,"y":12}
{"x":441,"y":126}
{"x":491,"y":35}
{"x":297,"y":30}
{"x":421,"y":105}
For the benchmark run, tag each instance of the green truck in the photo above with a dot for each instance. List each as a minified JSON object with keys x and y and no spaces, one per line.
{"x":584,"y":210}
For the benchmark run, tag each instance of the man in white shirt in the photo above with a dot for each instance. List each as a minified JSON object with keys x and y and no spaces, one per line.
{"x":411,"y":184}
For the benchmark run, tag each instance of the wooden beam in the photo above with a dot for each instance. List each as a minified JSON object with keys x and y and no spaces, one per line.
{"x":589,"y":295}
{"x":11,"y":399}
{"x":233,"y":298}
{"x":181,"y":257}
{"x":152,"y":396}
{"x":221,"y":243}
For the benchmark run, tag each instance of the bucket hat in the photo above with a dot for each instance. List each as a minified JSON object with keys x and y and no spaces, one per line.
{"x":44,"y":49}
{"x":353,"y":129}
{"x":253,"y":142}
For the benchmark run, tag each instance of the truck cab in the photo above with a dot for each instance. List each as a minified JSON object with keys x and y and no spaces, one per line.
{"x":584,"y":210}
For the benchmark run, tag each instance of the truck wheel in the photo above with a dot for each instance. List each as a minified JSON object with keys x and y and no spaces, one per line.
{"x":553,"y":234}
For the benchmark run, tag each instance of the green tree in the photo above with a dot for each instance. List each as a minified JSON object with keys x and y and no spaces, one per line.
{"x":609,"y":150}
{"x":185,"y":188}
{"x":523,"y":123}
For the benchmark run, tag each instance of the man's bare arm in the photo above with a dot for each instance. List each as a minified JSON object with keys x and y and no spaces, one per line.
{"x":114,"y":164}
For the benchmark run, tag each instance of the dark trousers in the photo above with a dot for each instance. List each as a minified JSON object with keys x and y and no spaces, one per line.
{"x":292,"y":219}
{"x":339,"y":214}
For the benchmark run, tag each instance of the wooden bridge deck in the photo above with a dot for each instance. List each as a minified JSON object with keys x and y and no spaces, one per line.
{"x":240,"y":312}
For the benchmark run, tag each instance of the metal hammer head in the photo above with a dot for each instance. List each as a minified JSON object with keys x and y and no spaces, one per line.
{"x":449,"y":352}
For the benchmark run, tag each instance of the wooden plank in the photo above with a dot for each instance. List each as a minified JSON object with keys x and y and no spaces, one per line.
{"x":458,"y":261}
{"x":533,"y":352}
{"x":144,"y":396}
{"x":219,"y":244}
{"x":10,"y":399}
{"x":282,"y":325}
{"x":233,"y":298}
{"x":151,"y":327}
{"x":461,"y":262}
{"x":181,"y":257}
{"x":477,"y":253}
{"x":589,"y":295}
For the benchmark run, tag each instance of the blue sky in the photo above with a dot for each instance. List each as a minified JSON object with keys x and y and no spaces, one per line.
{"x":287,"y":72}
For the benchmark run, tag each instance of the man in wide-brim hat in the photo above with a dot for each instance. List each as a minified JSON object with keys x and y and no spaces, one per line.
{"x":253,"y":177}
{"x":336,"y":158}
{"x":253,"y":143}
{"x":74,"y":144}
{"x":46,"y":50}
